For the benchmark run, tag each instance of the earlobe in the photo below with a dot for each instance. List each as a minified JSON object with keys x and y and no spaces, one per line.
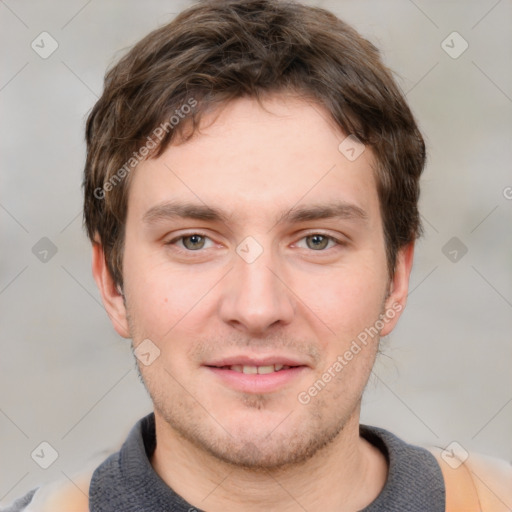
{"x":398,"y":288}
{"x":112,"y":297}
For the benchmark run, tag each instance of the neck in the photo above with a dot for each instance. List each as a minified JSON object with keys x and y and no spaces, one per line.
{"x":346,"y":475}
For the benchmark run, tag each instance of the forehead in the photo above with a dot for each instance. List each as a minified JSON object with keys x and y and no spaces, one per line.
{"x":249,"y":158}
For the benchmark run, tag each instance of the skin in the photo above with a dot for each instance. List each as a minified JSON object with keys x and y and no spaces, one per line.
{"x":249,"y":449}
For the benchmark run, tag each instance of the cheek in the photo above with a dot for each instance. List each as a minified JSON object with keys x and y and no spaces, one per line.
{"x":164,"y":299}
{"x":350,"y":305}
{"x":345,"y":300}
{"x":150,"y":294}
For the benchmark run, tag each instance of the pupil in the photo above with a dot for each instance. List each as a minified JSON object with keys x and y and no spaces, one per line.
{"x":193,"y":242}
{"x":317,"y":242}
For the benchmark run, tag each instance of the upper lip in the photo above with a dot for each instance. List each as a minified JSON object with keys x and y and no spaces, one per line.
{"x":245,"y":360}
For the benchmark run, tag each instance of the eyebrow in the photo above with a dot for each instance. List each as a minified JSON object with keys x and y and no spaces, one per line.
{"x":173,"y":209}
{"x":339,"y":210}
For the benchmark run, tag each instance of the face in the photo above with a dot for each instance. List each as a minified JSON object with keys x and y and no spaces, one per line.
{"x":254,"y":261}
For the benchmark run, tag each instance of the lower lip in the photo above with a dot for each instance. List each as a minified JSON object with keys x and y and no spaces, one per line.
{"x":255,"y":382}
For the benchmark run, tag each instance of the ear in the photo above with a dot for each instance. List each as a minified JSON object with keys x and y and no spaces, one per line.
{"x":112,"y":299}
{"x":398,"y":288}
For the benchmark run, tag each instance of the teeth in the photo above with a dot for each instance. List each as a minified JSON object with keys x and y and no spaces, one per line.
{"x":257,"y":369}
{"x":266,"y":369}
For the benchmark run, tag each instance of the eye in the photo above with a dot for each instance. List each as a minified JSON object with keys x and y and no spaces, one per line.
{"x":192,"y":242}
{"x":319,"y":242}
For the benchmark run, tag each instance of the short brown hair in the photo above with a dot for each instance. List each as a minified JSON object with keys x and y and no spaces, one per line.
{"x":220,"y":50}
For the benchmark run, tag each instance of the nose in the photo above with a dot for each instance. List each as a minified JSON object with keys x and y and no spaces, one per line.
{"x":256,"y":298}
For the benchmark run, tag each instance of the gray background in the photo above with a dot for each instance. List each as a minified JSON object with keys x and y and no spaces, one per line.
{"x":65,"y":375}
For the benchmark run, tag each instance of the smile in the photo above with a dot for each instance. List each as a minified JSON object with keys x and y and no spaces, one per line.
{"x":247,"y":369}
{"x":256,"y":379}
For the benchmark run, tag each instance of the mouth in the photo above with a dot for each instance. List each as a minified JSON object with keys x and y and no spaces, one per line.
{"x":249,"y":375}
{"x":252,"y":370}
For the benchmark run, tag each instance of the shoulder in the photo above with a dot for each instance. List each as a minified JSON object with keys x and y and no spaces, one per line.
{"x":76,"y":494}
{"x":62,"y":496}
{"x":67,"y":494}
{"x":490,"y":477}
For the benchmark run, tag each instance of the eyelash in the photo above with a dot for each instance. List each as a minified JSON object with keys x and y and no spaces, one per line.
{"x":330,"y":238}
{"x":339,"y":243}
{"x":181,"y":237}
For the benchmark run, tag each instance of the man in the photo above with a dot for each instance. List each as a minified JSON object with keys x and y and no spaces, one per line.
{"x":251,"y":192}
